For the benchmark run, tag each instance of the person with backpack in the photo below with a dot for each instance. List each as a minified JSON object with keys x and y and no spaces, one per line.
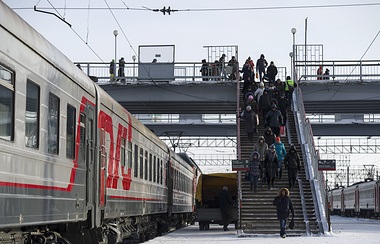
{"x":283,"y":205}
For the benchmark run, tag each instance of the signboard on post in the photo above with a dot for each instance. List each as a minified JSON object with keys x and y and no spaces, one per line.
{"x":240,"y":165}
{"x":328,"y":164}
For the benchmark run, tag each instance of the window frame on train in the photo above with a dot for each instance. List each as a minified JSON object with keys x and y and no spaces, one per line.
{"x":32,"y":130}
{"x":70,"y":131}
{"x":7,"y":85}
{"x":53,"y":123}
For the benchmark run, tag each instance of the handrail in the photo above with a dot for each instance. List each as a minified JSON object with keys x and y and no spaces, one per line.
{"x":306,"y":140}
{"x":362,"y":70}
{"x":182,"y":71}
{"x":304,"y":211}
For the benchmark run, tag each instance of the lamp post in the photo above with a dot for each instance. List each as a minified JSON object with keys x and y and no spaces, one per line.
{"x":291,"y":64}
{"x":294,"y":31}
{"x":115,"y":32}
{"x":134,"y":59}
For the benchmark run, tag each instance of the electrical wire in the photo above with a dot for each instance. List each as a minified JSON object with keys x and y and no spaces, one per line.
{"x":231,"y":9}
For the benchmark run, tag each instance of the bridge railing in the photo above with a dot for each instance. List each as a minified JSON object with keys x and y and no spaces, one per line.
{"x":339,"y":70}
{"x":315,"y":177}
{"x":183,"y":72}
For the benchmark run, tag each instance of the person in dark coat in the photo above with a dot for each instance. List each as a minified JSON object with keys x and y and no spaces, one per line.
{"x":271,"y":163}
{"x":293,"y":164}
{"x":254,"y":170}
{"x":120,"y":72}
{"x":265,"y":103}
{"x":272,"y":72}
{"x":261,"y":147}
{"x":247,"y":76}
{"x":261,"y":65}
{"x":283,"y":205}
{"x":251,"y":121}
{"x":280,"y":86}
{"x":112,"y":70}
{"x":274,"y":120}
{"x":283,"y":107}
{"x":225,"y":204}
{"x":205,"y":70}
{"x":269,"y":137}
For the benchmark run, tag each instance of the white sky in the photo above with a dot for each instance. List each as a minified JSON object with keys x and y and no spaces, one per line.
{"x":345,"y":230}
{"x":345,"y":32}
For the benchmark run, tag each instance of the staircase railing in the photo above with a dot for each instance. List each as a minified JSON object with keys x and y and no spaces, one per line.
{"x":306,"y":140}
{"x":304,"y":211}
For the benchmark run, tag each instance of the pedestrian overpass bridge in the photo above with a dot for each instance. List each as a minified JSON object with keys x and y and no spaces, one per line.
{"x":188,"y":105}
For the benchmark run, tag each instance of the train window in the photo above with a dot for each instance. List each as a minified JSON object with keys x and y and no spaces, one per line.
{"x":146,"y":165}
{"x":159,"y":181}
{"x":32,"y":115}
{"x":53,"y":124}
{"x":136,"y":160}
{"x":129,"y":155}
{"x":6,"y":103}
{"x":122,"y":152}
{"x":141,"y":163}
{"x":162,"y":172}
{"x":154,"y":168}
{"x":82,"y":154}
{"x":70,"y":131}
{"x":150,"y":166}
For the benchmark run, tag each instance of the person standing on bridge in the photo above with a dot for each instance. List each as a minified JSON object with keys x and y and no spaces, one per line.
{"x":120,"y":72}
{"x":112,"y":70}
{"x":272,"y":72}
{"x":261,"y":65}
{"x":225,"y":204}
{"x":319,"y":72}
{"x":283,"y":205}
{"x":293,"y":164}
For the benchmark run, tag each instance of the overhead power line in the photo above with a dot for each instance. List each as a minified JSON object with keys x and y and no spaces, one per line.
{"x":168,"y":10}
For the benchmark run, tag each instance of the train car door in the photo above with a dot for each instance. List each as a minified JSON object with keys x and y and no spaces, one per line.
{"x":169,"y":183}
{"x":87,"y":145}
{"x":357,"y":201}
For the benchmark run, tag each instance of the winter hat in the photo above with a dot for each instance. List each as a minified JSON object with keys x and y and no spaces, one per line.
{"x":271,"y":147}
{"x":250,"y":97}
{"x":261,"y":85}
{"x":278,"y":139}
{"x":248,"y":108}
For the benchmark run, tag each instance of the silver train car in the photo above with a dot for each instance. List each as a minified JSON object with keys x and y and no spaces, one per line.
{"x":76,"y":167}
{"x":362,"y":200}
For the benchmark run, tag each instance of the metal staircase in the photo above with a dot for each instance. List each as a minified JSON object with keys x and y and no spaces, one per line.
{"x":257,"y":213}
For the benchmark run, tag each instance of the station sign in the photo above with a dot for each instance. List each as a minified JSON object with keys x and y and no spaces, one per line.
{"x":240,"y":165}
{"x":329,"y":164}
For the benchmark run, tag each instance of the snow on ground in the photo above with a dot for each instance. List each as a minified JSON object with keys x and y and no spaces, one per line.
{"x":344,"y":230}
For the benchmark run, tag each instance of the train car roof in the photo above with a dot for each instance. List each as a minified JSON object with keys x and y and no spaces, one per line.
{"x":189,"y":160}
{"x":20,"y":29}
